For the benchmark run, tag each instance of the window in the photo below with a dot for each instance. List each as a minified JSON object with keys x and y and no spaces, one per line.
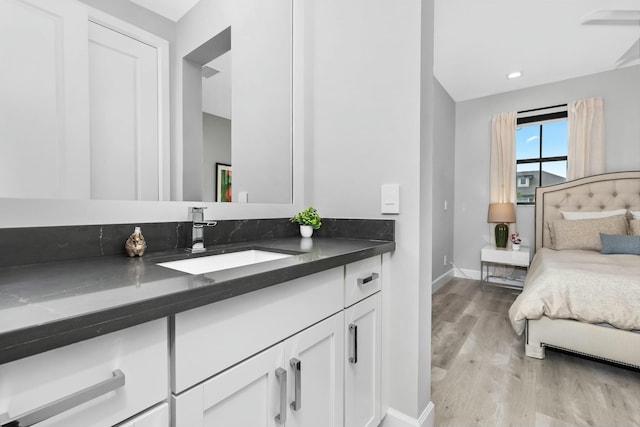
{"x":541,"y":153}
{"x":523,"y":181}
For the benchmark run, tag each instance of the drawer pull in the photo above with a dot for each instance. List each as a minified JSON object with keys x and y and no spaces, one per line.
{"x":281,"y":375}
{"x":68,"y":402}
{"x":296,"y":405}
{"x":353,"y":330}
{"x":367,"y":279}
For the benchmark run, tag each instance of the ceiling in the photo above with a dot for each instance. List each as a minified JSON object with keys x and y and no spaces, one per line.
{"x":479,"y":42}
{"x":171,"y":9}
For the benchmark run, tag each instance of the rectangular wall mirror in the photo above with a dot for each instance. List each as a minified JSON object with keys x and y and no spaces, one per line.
{"x":108,"y":100}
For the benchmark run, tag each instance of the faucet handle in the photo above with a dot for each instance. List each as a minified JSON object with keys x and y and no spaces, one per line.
{"x":196,"y":209}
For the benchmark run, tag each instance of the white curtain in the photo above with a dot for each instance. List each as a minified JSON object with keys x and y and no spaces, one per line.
{"x":503,"y":158}
{"x":586,"y":138}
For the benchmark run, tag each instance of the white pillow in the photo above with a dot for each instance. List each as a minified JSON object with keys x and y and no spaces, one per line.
{"x":593,"y":215}
{"x":635,"y":214}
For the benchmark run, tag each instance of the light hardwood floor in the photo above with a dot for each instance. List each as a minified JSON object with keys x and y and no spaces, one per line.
{"x":481,"y":377}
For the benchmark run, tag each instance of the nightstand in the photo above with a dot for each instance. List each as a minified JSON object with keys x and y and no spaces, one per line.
{"x":490,"y":256}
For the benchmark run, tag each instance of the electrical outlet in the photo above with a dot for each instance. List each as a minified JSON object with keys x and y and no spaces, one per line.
{"x":445,"y":260}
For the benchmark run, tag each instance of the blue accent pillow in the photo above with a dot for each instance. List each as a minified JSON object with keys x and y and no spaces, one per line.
{"x":620,"y":244}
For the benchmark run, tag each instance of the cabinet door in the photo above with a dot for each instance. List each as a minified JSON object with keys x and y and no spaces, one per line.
{"x":123,"y":82}
{"x":314,"y":361}
{"x":247,"y":394}
{"x":362,"y":363}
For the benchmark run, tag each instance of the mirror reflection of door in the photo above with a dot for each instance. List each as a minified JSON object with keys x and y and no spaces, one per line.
{"x":216,"y":121}
{"x":80,"y":104}
{"x":123,"y":82}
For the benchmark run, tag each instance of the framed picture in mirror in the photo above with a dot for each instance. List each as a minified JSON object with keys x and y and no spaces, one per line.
{"x":223,"y":182}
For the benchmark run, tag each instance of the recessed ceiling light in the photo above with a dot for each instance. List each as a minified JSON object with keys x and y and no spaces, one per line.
{"x":514,"y":75}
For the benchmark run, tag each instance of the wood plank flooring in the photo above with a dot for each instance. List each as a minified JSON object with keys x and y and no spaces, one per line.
{"x":481,"y":377}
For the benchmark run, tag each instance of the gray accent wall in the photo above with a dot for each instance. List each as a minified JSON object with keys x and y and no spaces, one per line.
{"x":444,"y":130}
{"x":216,"y":138}
{"x":620,"y":90}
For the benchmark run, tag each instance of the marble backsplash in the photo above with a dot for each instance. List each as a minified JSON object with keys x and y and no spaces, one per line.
{"x":20,"y":246}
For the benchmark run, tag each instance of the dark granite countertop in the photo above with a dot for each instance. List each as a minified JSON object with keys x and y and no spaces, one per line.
{"x":49,"y":305}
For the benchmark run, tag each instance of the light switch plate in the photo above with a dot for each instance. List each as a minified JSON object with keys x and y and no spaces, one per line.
{"x":390,"y":199}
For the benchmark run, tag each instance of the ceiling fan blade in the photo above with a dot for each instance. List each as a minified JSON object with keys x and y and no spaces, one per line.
{"x":630,"y":55}
{"x":611,"y":17}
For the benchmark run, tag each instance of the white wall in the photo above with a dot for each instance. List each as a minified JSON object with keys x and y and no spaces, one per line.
{"x":216,"y":138}
{"x":363,"y":129}
{"x":426,"y":414}
{"x":620,"y":90}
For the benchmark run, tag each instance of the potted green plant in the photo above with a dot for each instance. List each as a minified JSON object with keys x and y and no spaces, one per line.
{"x":309,"y":220}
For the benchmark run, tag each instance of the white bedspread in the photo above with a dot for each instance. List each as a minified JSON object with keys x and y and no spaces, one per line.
{"x":581,"y":285}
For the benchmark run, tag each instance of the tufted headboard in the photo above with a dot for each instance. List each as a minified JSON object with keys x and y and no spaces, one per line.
{"x":608,"y":191}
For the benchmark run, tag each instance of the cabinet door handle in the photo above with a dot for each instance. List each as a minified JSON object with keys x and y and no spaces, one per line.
{"x":353,"y":330}
{"x":367,"y":279}
{"x":281,"y":375}
{"x":296,"y":405}
{"x":64,"y":404}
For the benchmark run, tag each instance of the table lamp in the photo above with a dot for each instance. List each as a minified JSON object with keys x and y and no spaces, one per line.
{"x":502,"y":213}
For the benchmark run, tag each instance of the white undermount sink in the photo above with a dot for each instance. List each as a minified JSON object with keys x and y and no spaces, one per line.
{"x":207,"y":264}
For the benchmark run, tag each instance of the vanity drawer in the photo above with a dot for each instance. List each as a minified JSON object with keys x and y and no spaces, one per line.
{"x":130,"y":367}
{"x":155,"y":417}
{"x":362,"y":278}
{"x":209,"y":339}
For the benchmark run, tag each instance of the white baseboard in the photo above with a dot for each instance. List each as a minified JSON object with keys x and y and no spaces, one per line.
{"x":468,"y":274}
{"x":398,"y":419}
{"x":441,"y":281}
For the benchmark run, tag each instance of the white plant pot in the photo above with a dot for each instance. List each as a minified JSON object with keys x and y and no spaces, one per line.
{"x":515,"y":246}
{"x":306,"y":230}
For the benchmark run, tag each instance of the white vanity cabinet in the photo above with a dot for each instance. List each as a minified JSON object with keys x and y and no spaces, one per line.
{"x":363,"y":344}
{"x":297,"y":382}
{"x":212,"y":338}
{"x":304,"y":353}
{"x":99,"y":382}
{"x":232,"y":360}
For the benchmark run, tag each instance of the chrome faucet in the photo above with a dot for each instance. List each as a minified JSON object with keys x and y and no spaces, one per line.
{"x":197,"y":232}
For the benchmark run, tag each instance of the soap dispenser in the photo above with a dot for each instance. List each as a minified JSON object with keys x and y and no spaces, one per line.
{"x":135,"y":243}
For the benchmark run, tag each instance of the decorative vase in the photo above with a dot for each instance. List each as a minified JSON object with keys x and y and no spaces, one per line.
{"x":306,"y":230}
{"x":515,"y":246}
{"x":502,"y":235}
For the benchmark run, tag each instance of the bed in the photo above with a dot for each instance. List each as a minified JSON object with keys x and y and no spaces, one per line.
{"x":575,"y":298}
